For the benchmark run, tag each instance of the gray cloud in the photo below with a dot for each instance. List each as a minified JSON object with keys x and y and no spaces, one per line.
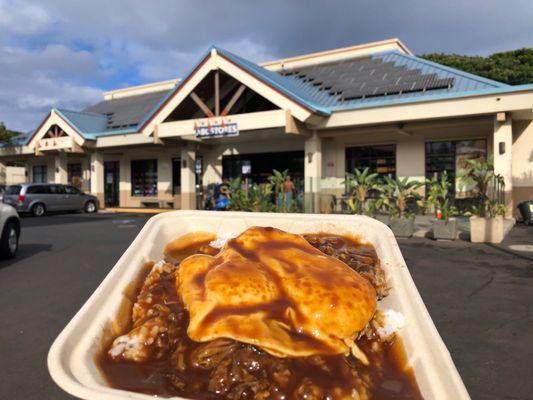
{"x":65,"y":52}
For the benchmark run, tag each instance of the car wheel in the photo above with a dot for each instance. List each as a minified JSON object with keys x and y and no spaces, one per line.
{"x":38,"y":210}
{"x":90,"y":207}
{"x":9,"y":243}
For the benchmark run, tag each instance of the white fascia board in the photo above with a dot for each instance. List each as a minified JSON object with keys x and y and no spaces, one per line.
{"x":215,"y":61}
{"x":123,"y":140}
{"x":461,"y":107}
{"x":245,"y":122}
{"x":15,"y":150}
{"x":55,"y":119}
{"x":263,"y":89}
{"x":182,"y":92}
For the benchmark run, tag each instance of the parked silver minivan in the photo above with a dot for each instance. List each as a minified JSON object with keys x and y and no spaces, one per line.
{"x":40,"y":198}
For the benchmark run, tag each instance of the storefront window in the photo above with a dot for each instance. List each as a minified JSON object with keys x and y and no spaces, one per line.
{"x":39,"y":174}
{"x":74,"y":175}
{"x":451,"y":156}
{"x":176,"y":175}
{"x":257,"y":167}
{"x":144,"y":178}
{"x":380,"y":159}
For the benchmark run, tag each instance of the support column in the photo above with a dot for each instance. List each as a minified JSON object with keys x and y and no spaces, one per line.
{"x":312,"y":173}
{"x":410,"y":159}
{"x":503,"y":160}
{"x":29,"y":171}
{"x":97,"y":176}
{"x":188,"y":177}
{"x":60,"y":168}
{"x":124,"y":185}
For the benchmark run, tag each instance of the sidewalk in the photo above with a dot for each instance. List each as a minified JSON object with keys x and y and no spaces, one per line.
{"x":424,"y":226}
{"x":519,"y":240}
{"x":134,"y":210}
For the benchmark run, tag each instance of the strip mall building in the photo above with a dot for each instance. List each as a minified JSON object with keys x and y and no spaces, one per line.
{"x":318,"y":115}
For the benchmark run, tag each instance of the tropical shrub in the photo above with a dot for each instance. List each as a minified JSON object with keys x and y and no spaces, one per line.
{"x":438,"y":195}
{"x":398,"y":193}
{"x":257,"y":197}
{"x":360,"y":183}
{"x":486,"y":182}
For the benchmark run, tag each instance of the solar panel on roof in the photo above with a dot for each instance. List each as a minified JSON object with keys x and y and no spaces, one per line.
{"x":368,"y":77}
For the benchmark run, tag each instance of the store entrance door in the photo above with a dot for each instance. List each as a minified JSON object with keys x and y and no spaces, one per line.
{"x":111,"y":185}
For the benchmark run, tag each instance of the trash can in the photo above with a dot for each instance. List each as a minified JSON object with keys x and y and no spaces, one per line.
{"x":526,"y":209}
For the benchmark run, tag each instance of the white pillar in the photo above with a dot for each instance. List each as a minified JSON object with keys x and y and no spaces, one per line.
{"x":188,"y":177}
{"x":86,"y":174}
{"x":124,"y":185}
{"x":503,"y":160}
{"x":312,"y":172}
{"x":60,"y":168}
{"x":97,"y":176}
{"x":411,"y":159}
{"x":164,"y":177}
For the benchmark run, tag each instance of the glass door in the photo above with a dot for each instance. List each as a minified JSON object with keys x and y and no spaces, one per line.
{"x":111,"y":183}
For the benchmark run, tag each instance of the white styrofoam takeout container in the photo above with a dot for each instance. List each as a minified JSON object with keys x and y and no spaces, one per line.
{"x":71,"y":357}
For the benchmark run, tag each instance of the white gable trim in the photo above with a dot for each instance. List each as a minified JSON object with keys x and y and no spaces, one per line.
{"x":215,"y":61}
{"x":55,"y":119}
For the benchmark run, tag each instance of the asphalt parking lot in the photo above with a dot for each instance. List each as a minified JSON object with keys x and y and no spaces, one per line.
{"x":478,"y":296}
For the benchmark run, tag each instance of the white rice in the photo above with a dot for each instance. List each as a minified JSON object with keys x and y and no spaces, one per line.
{"x":221,"y":240}
{"x":391,"y":322}
{"x":125,"y":344}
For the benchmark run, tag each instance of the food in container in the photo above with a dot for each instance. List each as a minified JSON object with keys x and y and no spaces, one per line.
{"x":269,"y":315}
{"x":361,"y":358}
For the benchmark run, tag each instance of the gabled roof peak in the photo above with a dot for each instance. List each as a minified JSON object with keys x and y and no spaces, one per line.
{"x":335,"y":55}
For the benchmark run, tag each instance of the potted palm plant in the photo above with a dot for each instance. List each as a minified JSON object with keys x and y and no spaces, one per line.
{"x":397,"y":194}
{"x":360,"y":183}
{"x":444,"y":225}
{"x":486,"y":220}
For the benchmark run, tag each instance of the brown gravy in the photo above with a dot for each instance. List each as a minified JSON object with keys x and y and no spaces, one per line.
{"x":224,"y":369}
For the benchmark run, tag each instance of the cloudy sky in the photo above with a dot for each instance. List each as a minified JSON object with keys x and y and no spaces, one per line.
{"x":57,"y":53}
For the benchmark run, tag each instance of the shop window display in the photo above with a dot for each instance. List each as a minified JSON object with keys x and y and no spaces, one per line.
{"x":380,"y":159}
{"x":144,"y":178}
{"x":39,"y":174}
{"x":74,"y":175}
{"x":451,"y":156}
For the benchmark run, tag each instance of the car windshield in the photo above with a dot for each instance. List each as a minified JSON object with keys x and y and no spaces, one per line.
{"x":13,"y":189}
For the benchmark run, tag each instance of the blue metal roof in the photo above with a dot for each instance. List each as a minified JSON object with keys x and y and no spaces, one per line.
{"x":92,"y":125}
{"x":464,"y":84}
{"x":84,"y":122}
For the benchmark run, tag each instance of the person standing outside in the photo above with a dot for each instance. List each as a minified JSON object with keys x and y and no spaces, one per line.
{"x":288,"y":191}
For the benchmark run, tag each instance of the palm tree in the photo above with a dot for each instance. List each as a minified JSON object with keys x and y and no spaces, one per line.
{"x":360,"y":183}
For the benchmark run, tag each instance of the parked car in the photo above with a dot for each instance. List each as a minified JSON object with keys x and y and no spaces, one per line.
{"x":10,"y":225}
{"x":40,"y":198}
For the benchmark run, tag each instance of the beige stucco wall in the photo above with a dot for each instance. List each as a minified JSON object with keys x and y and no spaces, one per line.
{"x":410,"y":144}
{"x":15,"y":175}
{"x":410,"y":153}
{"x":164,"y":156}
{"x":47,"y":160}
